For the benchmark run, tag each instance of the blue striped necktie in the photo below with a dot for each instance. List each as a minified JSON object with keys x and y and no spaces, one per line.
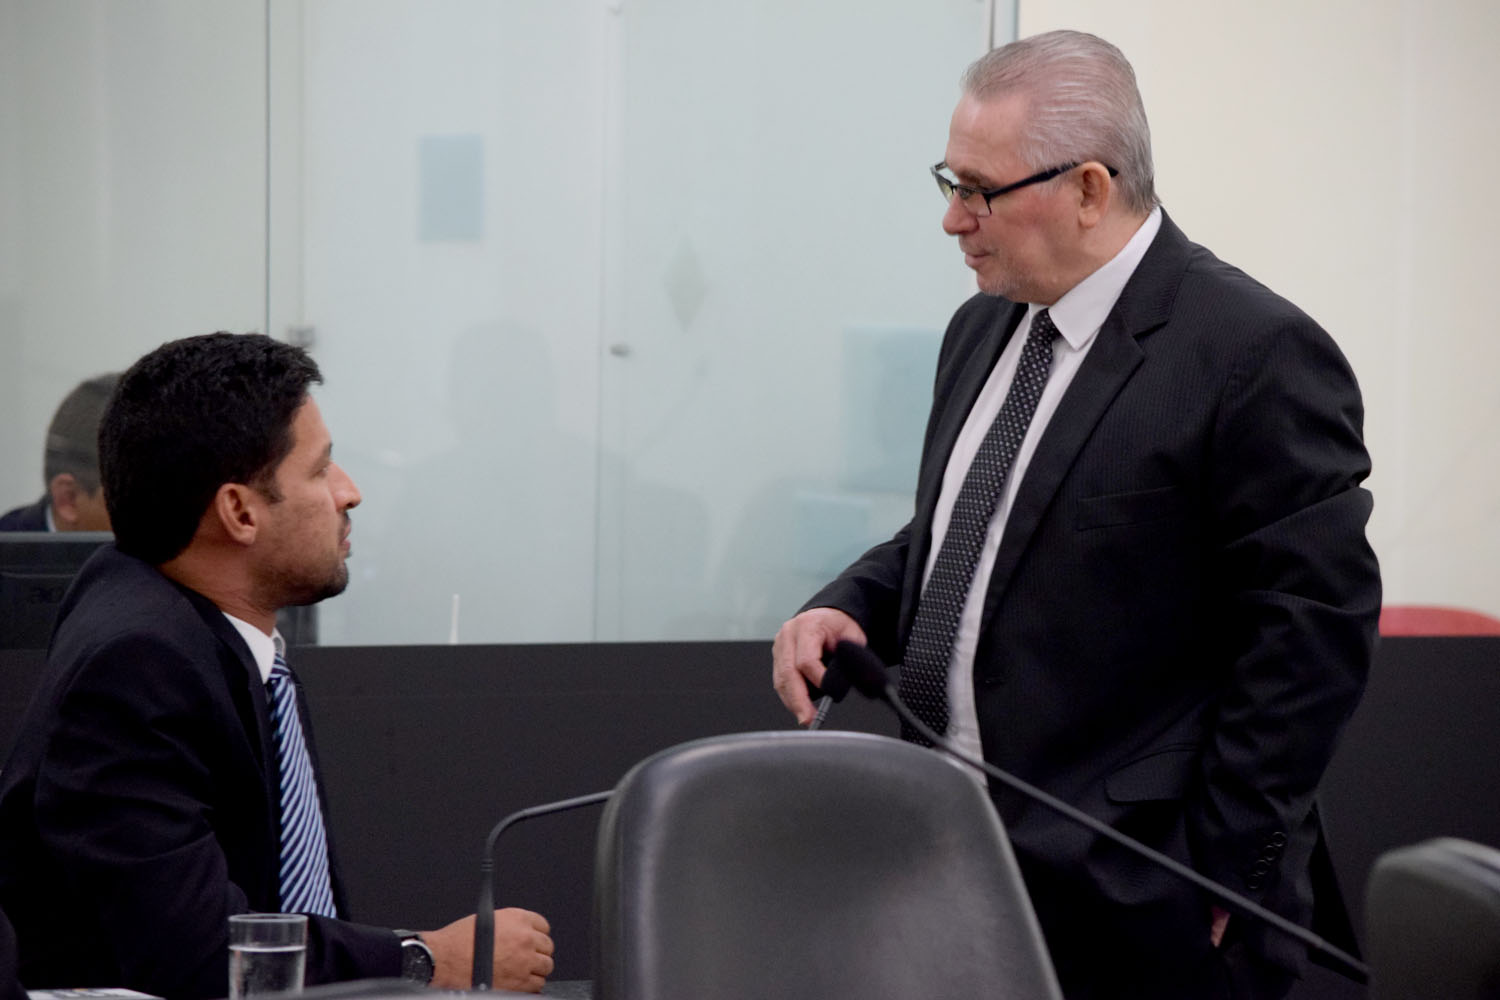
{"x":305,"y":884}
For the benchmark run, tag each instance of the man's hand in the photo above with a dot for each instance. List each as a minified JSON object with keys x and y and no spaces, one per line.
{"x":1216,"y":929}
{"x":797,"y":655}
{"x":523,"y":952}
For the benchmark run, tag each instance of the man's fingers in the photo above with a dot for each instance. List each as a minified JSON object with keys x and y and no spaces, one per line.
{"x":786,"y":677}
{"x":811,"y":644}
{"x":792,"y":690}
{"x":797,"y":655}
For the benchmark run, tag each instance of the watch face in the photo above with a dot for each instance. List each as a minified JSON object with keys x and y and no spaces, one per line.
{"x":416,"y":961}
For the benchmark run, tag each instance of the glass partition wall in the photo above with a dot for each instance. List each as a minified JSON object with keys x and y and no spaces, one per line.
{"x":617,"y":302}
{"x":627,"y":309}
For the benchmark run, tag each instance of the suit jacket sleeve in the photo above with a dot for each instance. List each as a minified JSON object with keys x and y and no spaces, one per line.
{"x":869,"y":591}
{"x":125,"y":797}
{"x":1299,"y":593}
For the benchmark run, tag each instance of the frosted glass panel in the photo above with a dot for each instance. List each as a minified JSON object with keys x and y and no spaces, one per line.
{"x":778,"y":289}
{"x":451,"y":220}
{"x":627,"y":311}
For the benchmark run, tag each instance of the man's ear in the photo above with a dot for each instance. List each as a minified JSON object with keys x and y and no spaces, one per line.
{"x":63,"y":493}
{"x":237,"y":510}
{"x":1095,"y":193}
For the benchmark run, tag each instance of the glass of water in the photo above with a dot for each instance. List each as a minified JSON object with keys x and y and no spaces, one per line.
{"x":267,"y":953}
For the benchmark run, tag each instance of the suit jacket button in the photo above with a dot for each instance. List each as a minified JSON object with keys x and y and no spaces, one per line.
{"x":1278,"y":839}
{"x":1254,"y":882}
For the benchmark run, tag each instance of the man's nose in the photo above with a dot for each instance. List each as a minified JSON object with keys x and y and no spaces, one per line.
{"x":348,"y":493}
{"x":958,"y":220}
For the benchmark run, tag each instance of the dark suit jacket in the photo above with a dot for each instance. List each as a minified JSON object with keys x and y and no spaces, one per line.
{"x":138,"y":809}
{"x":1181,"y":615}
{"x":32,"y":517}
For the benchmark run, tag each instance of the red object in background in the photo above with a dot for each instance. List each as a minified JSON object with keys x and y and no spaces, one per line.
{"x":1422,"y":619}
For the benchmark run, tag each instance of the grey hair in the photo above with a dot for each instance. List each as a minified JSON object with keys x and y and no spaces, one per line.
{"x":73,"y":435}
{"x":1083,"y":105}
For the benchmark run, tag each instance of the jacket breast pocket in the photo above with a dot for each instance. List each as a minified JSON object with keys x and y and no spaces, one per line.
{"x":1134,"y":507}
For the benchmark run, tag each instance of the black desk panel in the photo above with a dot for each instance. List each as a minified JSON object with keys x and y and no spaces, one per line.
{"x":424,"y":748}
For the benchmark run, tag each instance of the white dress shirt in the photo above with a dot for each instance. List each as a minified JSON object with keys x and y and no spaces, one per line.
{"x":263,"y":647}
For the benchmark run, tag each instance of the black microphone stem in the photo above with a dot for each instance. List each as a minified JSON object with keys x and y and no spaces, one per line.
{"x":484,"y":912}
{"x":1357,"y":970}
{"x":823,"y":705}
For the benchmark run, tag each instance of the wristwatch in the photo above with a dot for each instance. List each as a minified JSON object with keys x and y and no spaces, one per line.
{"x":416,"y":958}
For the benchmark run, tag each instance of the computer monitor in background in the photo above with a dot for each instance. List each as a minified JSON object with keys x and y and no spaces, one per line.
{"x":35,"y":570}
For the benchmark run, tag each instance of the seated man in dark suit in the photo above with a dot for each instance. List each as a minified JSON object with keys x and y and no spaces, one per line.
{"x":165,"y":776}
{"x":70,"y":466}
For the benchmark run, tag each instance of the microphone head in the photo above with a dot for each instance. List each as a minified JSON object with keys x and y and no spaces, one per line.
{"x":835,"y":682}
{"x":863,"y":669}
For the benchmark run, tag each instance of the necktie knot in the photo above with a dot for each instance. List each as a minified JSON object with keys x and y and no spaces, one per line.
{"x":1042,"y":327}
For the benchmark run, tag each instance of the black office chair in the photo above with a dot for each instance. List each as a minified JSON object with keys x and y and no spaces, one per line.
{"x":809,"y":865}
{"x":1432,"y":918}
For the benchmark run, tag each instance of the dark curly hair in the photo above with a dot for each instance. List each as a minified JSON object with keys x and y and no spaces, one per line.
{"x":189,"y":417}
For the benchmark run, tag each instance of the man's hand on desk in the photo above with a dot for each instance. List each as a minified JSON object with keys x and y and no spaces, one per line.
{"x":523,"y":952}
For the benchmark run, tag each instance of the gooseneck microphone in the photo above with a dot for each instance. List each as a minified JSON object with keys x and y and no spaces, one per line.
{"x":835,"y":686}
{"x":864,"y":671}
{"x":484,"y":911}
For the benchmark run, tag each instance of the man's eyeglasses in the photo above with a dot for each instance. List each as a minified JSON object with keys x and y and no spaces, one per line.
{"x":977,"y":200}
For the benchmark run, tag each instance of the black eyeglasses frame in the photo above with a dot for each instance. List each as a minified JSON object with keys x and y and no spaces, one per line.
{"x":964,"y":192}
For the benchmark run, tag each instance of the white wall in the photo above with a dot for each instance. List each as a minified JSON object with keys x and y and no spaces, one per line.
{"x":1342,"y":151}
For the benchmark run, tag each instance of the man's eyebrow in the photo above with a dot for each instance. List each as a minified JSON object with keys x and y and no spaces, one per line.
{"x":969,"y":179}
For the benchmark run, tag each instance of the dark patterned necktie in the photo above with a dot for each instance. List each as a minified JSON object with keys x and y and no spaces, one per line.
{"x":924,"y":671}
{"x":305,"y":883}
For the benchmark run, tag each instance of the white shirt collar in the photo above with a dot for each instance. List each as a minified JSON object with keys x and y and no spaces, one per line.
{"x":263,"y":647}
{"x":51,"y":522}
{"x":1081,"y":311}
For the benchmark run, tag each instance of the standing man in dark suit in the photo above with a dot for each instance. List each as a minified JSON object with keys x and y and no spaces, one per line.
{"x":1137,"y":573}
{"x":70,"y":466}
{"x":165,"y":775}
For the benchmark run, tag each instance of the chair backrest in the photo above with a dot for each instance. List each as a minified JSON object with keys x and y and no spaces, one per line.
{"x":809,"y":865}
{"x":1432,"y":916}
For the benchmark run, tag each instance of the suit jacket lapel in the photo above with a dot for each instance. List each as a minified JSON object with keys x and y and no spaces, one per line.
{"x":1144,"y":304}
{"x":960,"y":399}
{"x":250,"y":699}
